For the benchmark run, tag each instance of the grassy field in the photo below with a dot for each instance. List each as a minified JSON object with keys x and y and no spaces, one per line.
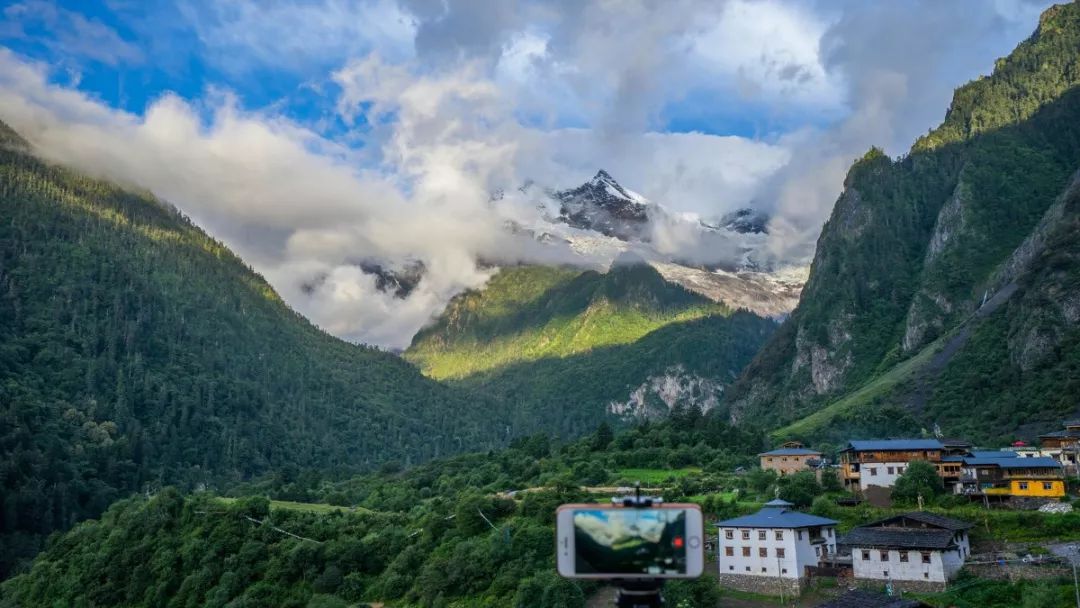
{"x":655,"y":476}
{"x":307,"y":507}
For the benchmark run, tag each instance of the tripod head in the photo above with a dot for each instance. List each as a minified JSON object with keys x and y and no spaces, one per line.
{"x":639,"y":593}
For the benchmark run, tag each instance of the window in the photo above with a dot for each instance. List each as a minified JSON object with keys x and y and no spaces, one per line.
{"x":1048,"y":486}
{"x":770,"y":460}
{"x":764,"y":569}
{"x":884,"y":556}
{"x":900,"y":470}
{"x":784,"y":459}
{"x":780,"y":552}
{"x":926,"y":575}
{"x":746,"y":535}
{"x":762,"y":552}
{"x":729,"y":534}
{"x":784,"y":571}
{"x":779,"y":535}
{"x":829,"y":532}
{"x":748,"y":568}
{"x":1023,"y":485}
{"x":903,"y":556}
{"x":885,"y":573}
{"x":817,"y":551}
{"x":926,"y":557}
{"x":746,"y":551}
{"x":761,"y":534}
{"x":799,"y":534}
{"x":729,"y":551}
{"x":866,"y":555}
{"x":731,"y":567}
{"x":873,"y":471}
{"x":890,"y":470}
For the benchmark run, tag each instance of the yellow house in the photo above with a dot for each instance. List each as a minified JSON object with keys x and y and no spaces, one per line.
{"x":1005,"y":475}
{"x":1041,"y":488}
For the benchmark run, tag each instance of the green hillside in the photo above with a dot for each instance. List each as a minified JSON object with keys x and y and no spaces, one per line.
{"x":440,"y":534}
{"x":946,"y":278}
{"x":693,"y":361}
{"x":528,"y":313}
{"x":562,"y":348}
{"x":136,"y":351}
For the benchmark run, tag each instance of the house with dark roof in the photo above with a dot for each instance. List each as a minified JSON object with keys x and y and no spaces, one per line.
{"x":1004,"y":474}
{"x":1063,"y":445}
{"x":917,"y":551}
{"x":879,"y":463}
{"x":769,"y":551}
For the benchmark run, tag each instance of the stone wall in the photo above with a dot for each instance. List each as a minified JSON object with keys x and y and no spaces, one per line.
{"x":905,"y":586}
{"x":767,"y":585}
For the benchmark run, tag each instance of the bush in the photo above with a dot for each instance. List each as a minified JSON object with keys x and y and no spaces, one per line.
{"x":823,"y":506}
{"x":919,"y":479}
{"x":799,"y":488}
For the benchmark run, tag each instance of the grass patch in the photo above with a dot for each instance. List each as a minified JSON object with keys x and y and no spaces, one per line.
{"x":306,"y":507}
{"x":861,"y":397}
{"x":653,"y":476}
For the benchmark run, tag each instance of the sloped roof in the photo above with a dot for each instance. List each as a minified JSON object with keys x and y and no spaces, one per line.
{"x":927,"y":518}
{"x":885,"y":445}
{"x":1065,"y":433}
{"x":1040,"y":462}
{"x":777,"y":514}
{"x":790,"y":452}
{"x":899,"y":538}
{"x":992,"y":454}
{"x":863,"y":598}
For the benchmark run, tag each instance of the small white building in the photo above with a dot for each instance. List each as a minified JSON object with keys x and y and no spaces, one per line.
{"x":769,"y":551}
{"x":917,"y":551}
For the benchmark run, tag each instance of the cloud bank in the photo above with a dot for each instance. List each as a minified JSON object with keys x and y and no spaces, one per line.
{"x":435,"y":105}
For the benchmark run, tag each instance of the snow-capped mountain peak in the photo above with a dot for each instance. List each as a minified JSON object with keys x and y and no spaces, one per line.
{"x":603,"y":205}
{"x":614,"y":189}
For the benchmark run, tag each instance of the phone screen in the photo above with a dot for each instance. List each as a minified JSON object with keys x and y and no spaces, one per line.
{"x":630,"y":541}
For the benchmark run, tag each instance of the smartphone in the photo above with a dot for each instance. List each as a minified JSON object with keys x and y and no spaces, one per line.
{"x":608,"y":541}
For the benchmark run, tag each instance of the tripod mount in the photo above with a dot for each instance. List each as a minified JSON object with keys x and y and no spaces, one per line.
{"x":646,"y":592}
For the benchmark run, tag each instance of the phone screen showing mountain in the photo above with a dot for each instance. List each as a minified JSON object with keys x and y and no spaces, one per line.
{"x":630,"y":541}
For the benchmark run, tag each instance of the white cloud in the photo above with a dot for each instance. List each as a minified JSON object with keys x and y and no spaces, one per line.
{"x":769,"y":50}
{"x":452,"y":102}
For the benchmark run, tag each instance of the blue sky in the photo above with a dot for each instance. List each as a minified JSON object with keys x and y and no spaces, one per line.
{"x":307,"y":134}
{"x":128,"y":53}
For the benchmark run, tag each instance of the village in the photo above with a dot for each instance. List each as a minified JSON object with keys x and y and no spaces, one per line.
{"x":783,"y":551}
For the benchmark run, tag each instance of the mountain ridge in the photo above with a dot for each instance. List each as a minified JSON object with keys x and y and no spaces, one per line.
{"x":137,"y":351}
{"x":915,"y":245}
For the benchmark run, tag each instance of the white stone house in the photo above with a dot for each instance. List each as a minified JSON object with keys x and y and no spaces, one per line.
{"x":916,"y":551}
{"x":769,"y":551}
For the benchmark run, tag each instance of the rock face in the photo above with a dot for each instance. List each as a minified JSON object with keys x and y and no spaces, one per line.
{"x":659,"y":394}
{"x":397,"y":282}
{"x":969,"y":239}
{"x":744,"y":221}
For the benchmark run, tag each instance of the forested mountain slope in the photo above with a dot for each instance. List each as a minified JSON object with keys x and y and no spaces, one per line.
{"x":563,"y":347}
{"x":529,"y":312}
{"x":135,"y":351}
{"x":944,"y":285}
{"x":419,"y":537}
